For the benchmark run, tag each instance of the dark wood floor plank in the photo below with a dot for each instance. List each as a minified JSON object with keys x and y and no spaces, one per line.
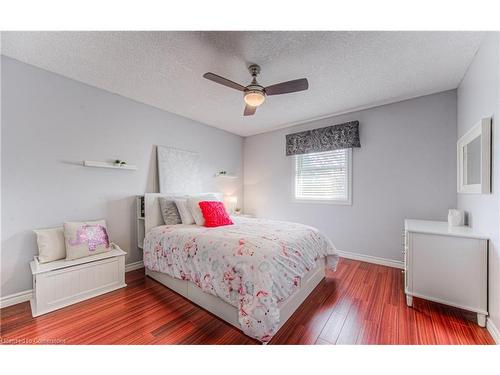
{"x":360,"y":303}
{"x":388,"y":326}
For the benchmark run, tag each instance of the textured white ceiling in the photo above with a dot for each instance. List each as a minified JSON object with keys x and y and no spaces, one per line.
{"x":346,"y":70}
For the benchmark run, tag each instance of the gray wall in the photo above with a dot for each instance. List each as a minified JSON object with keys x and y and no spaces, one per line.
{"x":478,"y":97}
{"x":405,"y":168}
{"x":49,"y":125}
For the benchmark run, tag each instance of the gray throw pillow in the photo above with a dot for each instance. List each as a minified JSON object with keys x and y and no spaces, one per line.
{"x":169,"y":212}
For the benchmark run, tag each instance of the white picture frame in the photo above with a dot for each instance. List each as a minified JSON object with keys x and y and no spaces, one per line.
{"x":474,"y":159}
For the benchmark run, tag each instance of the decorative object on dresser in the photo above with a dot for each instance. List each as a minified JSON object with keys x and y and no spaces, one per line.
{"x":455,"y":218}
{"x":446,"y":264}
{"x":474,"y":159}
{"x":64,"y":282}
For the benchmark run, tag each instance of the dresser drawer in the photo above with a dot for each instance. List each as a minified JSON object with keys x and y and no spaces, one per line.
{"x":448,"y":270}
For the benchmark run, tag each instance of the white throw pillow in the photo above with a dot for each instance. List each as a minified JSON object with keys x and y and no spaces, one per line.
{"x":85,"y":238}
{"x":182,"y":207}
{"x":194,"y":206}
{"x":50,"y":244}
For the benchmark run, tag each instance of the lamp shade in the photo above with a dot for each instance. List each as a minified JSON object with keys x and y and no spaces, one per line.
{"x":254,"y":98}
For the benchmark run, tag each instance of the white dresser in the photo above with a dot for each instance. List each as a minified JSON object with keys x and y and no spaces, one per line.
{"x":446,"y":264}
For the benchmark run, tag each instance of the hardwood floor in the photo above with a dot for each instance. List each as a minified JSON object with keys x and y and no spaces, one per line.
{"x":361,"y":303}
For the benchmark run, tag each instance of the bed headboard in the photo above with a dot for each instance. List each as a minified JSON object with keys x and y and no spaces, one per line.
{"x":152,"y":212}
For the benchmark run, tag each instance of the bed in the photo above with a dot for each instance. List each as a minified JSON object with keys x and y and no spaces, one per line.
{"x":253,"y":274}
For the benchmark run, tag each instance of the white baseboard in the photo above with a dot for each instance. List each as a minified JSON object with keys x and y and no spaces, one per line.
{"x":134,"y":266}
{"x":493,"y":330}
{"x":14,"y":299}
{"x":372,"y":259}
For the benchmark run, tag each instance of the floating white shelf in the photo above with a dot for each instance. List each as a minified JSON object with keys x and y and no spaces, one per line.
{"x":229,"y":176}
{"x":100,"y":164}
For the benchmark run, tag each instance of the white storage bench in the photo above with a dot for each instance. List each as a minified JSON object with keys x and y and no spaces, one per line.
{"x":65,"y":282}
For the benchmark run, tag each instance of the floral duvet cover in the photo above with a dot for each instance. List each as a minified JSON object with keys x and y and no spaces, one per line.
{"x":253,"y":265}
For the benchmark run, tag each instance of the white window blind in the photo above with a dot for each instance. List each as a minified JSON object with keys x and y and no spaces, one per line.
{"x":323,"y":176}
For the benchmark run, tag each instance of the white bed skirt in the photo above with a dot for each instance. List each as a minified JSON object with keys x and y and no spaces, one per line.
{"x":228,"y":312}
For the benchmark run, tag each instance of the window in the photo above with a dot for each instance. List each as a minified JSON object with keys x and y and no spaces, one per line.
{"x":324,"y":176}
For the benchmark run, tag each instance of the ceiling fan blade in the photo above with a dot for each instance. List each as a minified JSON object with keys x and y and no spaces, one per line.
{"x":249,"y":110}
{"x":288,"y":87}
{"x":223,"y":81}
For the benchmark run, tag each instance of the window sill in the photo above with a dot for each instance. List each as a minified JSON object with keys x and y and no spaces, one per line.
{"x":319,"y":201}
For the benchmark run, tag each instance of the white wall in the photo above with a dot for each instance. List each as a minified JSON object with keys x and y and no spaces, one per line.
{"x":479,"y":96}
{"x":405,"y":168}
{"x":49,"y":125}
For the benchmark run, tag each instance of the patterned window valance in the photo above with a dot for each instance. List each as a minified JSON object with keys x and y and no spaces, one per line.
{"x":323,"y":139}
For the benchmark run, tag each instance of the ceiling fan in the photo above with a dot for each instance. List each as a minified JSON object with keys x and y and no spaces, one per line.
{"x":255,"y":94}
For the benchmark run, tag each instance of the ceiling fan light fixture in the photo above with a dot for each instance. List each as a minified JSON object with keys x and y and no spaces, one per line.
{"x":254,"y":98}
{"x":254,"y":94}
